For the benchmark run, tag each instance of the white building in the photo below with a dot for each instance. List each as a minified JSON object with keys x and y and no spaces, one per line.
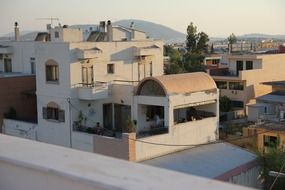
{"x":112,"y":80}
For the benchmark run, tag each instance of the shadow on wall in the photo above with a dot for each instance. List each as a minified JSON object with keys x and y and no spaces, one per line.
{"x":129,"y":52}
{"x":250,"y":90}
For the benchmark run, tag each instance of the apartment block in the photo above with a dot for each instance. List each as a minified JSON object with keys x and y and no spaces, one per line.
{"x":241,"y":77}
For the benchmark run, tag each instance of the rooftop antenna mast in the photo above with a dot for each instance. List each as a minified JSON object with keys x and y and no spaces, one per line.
{"x":51,"y":19}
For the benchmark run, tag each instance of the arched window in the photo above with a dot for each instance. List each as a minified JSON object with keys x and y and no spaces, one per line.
{"x":52,"y":74}
{"x":151,"y":88}
{"x":53,"y":112}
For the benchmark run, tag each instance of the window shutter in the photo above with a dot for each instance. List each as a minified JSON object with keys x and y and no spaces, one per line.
{"x":44,"y":112}
{"x":61,"y":116}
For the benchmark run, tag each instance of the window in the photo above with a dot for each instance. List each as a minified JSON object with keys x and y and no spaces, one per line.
{"x":110,"y":68}
{"x":33,"y":68}
{"x":151,"y":88}
{"x":152,"y":111}
{"x":56,"y":34}
{"x":239,"y":67}
{"x":235,"y":85}
{"x":215,"y":61}
{"x":221,"y":84}
{"x":269,"y":141}
{"x":265,"y":109}
{"x":7,"y":65}
{"x":87,"y":75}
{"x":33,"y":65}
{"x":249,"y":65}
{"x":237,"y":104}
{"x":52,"y":71}
{"x":52,"y":112}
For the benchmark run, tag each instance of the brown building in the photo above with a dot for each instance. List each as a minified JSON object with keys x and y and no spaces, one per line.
{"x":266,"y":135}
{"x":17,"y":97}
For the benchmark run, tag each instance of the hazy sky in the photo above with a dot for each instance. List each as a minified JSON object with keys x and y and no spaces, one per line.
{"x":215,"y":17}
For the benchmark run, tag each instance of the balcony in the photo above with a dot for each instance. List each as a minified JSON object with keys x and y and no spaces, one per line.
{"x":6,"y":49}
{"x":92,"y":91}
{"x":146,"y":51}
{"x":88,"y":54}
{"x":225,"y":72}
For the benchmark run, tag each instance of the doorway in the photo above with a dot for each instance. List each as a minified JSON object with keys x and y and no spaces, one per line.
{"x":108,"y":116}
{"x":122,"y":114}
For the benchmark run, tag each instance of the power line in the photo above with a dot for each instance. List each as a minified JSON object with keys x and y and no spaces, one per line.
{"x":281,"y":169}
{"x":181,"y":145}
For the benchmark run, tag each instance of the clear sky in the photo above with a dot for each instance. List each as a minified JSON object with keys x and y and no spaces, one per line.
{"x":215,"y":17}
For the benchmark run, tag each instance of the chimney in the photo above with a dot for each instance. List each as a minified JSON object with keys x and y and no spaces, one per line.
{"x":109,"y":31}
{"x":102,"y":26}
{"x":17,"y":32}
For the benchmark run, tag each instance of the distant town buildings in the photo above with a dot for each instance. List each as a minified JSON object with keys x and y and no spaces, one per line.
{"x":241,"y":77}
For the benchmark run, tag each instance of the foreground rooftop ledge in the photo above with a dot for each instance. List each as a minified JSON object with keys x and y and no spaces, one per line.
{"x":91,"y":170}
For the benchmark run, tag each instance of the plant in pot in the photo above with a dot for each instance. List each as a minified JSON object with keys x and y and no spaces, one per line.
{"x":79,"y":123}
{"x":130,"y":126}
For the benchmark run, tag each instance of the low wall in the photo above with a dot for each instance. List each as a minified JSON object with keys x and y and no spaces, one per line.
{"x":29,"y":165}
{"x":195,"y":132}
{"x":20,"y":129}
{"x":82,"y":141}
{"x":15,"y":93}
{"x":123,"y":148}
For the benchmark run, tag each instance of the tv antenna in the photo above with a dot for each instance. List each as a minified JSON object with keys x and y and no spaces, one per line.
{"x":51,"y":19}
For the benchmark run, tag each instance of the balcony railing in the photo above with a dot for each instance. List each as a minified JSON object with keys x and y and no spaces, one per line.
{"x":222,"y":72}
{"x":88,"y":54}
{"x":92,"y":91}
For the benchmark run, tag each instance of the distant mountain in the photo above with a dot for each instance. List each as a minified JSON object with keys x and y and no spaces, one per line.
{"x":262,"y":36}
{"x":25,"y":35}
{"x":153,"y":30}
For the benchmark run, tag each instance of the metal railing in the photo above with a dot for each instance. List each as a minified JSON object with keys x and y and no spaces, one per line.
{"x":96,"y":84}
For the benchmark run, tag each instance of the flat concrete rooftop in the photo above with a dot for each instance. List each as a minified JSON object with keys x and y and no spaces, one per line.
{"x":97,"y":171}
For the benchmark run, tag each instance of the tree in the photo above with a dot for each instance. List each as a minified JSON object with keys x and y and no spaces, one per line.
{"x":191,"y":39}
{"x":174,"y":54}
{"x":212,"y":48}
{"x":231,"y":39}
{"x":176,"y":62}
{"x":225,"y":104}
{"x":196,"y":42}
{"x":193,"y":63}
{"x":272,"y":160}
{"x":202,"y":46}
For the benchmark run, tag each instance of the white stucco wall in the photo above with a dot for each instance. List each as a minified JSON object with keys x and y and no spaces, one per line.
{"x":190,"y":133}
{"x":22,"y":52}
{"x":122,"y":55}
{"x":20,"y":129}
{"x":82,"y":141}
{"x":120,"y":34}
